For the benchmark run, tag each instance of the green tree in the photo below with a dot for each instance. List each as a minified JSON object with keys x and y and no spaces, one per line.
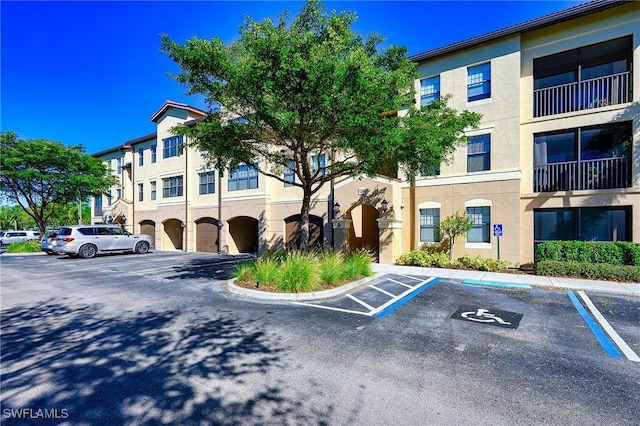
{"x":288,"y":92}
{"x":13,"y":217}
{"x":452,"y":227}
{"x":39,"y":175}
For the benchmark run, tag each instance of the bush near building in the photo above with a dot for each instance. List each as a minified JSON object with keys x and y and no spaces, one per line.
{"x":587,"y":259}
{"x":427,"y":259}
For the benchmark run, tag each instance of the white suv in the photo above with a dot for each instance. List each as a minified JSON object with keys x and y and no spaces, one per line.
{"x":19,"y":237}
{"x":88,"y":240}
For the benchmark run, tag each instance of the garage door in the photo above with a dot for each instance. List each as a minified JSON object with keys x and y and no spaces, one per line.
{"x":207,"y":235}
{"x":149,"y":227}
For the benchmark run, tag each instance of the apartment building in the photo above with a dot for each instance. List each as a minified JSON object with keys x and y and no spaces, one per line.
{"x":557,"y":156}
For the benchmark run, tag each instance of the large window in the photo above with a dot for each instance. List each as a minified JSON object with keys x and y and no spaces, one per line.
{"x":479,"y":82}
{"x":207,"y":183}
{"x":172,"y":147}
{"x":153,"y":190}
{"x":429,"y":221}
{"x":172,"y":187}
{"x":243,"y":177}
{"x":585,"y":224}
{"x":429,"y":90}
{"x":481,"y":218}
{"x":479,"y":153}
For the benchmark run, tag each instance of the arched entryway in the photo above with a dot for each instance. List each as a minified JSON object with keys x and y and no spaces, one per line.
{"x":173,"y":235}
{"x":363,"y":233}
{"x":149,"y":227}
{"x":243,"y":233}
{"x":207,"y":239}
{"x":292,"y":231}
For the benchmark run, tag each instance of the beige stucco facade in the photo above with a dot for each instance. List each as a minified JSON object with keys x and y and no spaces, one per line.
{"x":504,"y":191}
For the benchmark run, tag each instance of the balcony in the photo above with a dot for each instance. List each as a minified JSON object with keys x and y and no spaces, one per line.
{"x":592,"y":93}
{"x":604,"y":173}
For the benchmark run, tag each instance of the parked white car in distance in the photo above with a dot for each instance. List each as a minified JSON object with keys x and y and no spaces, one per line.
{"x":88,"y":240}
{"x":19,"y":237}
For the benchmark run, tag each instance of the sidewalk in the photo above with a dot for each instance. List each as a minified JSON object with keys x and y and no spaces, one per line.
{"x":627,"y":289}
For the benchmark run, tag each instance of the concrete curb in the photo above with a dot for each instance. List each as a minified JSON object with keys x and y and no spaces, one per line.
{"x":297,"y":297}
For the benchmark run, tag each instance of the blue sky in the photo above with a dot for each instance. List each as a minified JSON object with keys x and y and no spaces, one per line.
{"x":91,"y":73}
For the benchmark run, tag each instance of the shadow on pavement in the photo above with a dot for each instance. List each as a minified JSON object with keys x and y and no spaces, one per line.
{"x":143,"y":368}
{"x":217,"y":267}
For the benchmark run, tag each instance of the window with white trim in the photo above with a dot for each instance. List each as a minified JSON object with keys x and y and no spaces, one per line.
{"x":429,"y":90}
{"x":172,"y":187}
{"x":172,"y":147}
{"x":481,"y":222}
{"x":479,"y":153}
{"x":243,"y":177}
{"x":153,"y":190}
{"x":140,"y":192}
{"x":479,"y":82}
{"x":207,"y":183}
{"x":429,"y":221}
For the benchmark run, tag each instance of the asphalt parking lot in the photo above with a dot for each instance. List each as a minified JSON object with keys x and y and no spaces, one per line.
{"x":157,"y":338}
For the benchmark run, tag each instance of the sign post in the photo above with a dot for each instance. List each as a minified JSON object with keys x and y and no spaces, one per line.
{"x":497,"y":232}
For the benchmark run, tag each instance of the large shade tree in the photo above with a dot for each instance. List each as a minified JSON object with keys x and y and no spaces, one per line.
{"x":39,"y":174}
{"x":287,"y":93}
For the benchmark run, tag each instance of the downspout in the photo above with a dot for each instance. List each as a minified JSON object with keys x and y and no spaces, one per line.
{"x":219,"y":212}
{"x":134,"y":196}
{"x":186,"y":193}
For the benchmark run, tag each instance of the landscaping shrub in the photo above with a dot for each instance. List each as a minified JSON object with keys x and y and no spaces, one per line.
{"x":613,"y":253}
{"x":424,"y":258}
{"x":483,"y":263}
{"x":26,"y":247}
{"x":296,"y":272}
{"x":599,"y":271}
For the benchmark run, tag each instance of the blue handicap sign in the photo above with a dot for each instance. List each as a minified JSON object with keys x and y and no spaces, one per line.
{"x":497,"y":230}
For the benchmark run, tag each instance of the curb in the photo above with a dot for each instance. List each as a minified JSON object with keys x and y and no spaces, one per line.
{"x":296,"y":297}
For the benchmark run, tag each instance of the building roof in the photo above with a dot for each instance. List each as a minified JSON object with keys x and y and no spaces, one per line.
{"x":534,"y":24}
{"x":171,"y":104}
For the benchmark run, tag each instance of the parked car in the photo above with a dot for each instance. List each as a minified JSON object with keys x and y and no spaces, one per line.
{"x":19,"y":237}
{"x":88,"y":240}
{"x":47,"y":243}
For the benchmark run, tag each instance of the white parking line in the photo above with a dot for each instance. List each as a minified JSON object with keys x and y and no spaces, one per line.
{"x":355,"y":299}
{"x":382,"y":291}
{"x":626,"y":350}
{"x":400,"y":282}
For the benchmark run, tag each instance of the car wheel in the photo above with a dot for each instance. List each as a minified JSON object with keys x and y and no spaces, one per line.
{"x":87,"y":251}
{"x":142,"y":247}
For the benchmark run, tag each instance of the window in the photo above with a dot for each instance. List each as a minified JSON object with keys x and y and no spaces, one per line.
{"x":318,"y":162}
{"x":153,"y":190}
{"x":429,"y":90}
{"x":109,"y":197}
{"x":481,"y":217}
{"x":584,"y":224}
{"x":140,"y":192}
{"x":289,"y":173}
{"x":207,"y":183}
{"x":429,"y":221}
{"x":172,"y":187}
{"x":141,"y":157}
{"x":119,"y":165}
{"x":154,"y":150}
{"x":243,"y":177}
{"x":172,"y":147}
{"x":97,"y":205}
{"x":119,"y":193}
{"x":429,"y":170}
{"x":479,"y":82}
{"x":479,"y":153}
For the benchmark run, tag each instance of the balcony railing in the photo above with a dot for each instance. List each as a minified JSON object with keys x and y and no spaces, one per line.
{"x":604,"y":173}
{"x":593,"y":93}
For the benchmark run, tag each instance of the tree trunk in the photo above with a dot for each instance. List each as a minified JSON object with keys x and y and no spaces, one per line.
{"x":304,"y":220}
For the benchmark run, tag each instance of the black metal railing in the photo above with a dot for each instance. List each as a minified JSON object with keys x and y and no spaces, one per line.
{"x":604,"y":173}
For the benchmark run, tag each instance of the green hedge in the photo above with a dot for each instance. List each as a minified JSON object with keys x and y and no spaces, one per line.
{"x":613,"y":253}
{"x":598,"y":271}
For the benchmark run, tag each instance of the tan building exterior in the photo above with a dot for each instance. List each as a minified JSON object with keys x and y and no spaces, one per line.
{"x":557,"y":156}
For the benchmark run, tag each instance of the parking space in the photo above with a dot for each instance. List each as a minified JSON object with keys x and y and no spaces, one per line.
{"x":380,"y":297}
